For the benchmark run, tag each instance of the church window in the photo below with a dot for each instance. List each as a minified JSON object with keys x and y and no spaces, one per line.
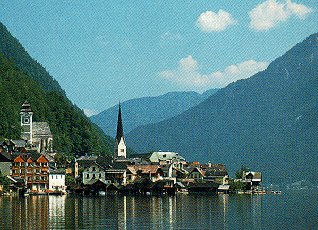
{"x":87,"y":176}
{"x":26,"y":120}
{"x":94,"y":176}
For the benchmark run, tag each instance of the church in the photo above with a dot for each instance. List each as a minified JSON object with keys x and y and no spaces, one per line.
{"x":120,"y":145}
{"x":37,"y":134}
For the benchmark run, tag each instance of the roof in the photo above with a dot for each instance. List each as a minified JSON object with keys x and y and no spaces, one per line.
{"x":26,"y":107}
{"x":57,"y":171}
{"x":202,"y":172}
{"x":86,"y":161}
{"x":41,"y":129}
{"x":19,"y":143}
{"x":104,"y":161}
{"x":256,"y":175}
{"x":215,"y":170}
{"x":5,"y":157}
{"x":164,"y":156}
{"x":165,"y":167}
{"x":180,"y":185}
{"x":25,"y":156}
{"x":94,"y":181}
{"x":144,"y":169}
{"x":49,"y":157}
{"x":132,"y":169}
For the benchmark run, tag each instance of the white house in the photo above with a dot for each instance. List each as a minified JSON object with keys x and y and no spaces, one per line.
{"x":163,"y":158}
{"x":94,"y":172}
{"x":57,"y":182}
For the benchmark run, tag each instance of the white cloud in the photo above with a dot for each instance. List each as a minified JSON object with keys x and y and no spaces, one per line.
{"x":89,"y":112}
{"x":269,"y":13}
{"x":188,"y":76}
{"x":210,"y":21}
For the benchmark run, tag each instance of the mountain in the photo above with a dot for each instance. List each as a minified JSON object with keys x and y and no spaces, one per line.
{"x":146,"y":110}
{"x":268,"y":122}
{"x":21,"y":78}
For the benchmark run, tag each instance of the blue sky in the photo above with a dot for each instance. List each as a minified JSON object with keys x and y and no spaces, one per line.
{"x":105,"y":51}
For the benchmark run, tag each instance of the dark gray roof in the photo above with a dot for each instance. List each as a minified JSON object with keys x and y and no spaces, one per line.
{"x":26,"y":107}
{"x":41,"y":129}
{"x":19,"y":143}
{"x":5,"y":157}
{"x":104,"y":161}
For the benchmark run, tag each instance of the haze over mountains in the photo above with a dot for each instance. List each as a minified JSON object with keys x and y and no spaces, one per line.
{"x":147,"y":110}
{"x":268,"y":122}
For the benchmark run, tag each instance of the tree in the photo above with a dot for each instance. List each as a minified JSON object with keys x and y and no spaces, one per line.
{"x":237,"y":185}
{"x":5,"y":182}
{"x":239,"y":173}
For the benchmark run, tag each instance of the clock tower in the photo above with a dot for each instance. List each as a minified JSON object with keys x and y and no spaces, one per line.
{"x":26,"y":121}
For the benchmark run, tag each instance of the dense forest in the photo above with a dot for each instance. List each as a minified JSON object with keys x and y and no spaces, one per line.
{"x":22,"y":78}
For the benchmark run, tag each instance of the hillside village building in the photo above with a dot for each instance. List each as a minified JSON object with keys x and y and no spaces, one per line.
{"x":37,"y":134}
{"x":57,"y":181}
{"x":154,"y":172}
{"x":33,"y":168}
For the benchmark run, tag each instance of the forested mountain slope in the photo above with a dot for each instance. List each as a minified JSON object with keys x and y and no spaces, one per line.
{"x":22,"y":78}
{"x":268,"y":122}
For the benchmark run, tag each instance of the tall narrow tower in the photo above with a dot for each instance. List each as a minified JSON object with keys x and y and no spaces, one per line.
{"x":26,"y":122}
{"x":120,"y":145}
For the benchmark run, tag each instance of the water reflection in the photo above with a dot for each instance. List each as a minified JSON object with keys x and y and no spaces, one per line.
{"x":149,"y":212}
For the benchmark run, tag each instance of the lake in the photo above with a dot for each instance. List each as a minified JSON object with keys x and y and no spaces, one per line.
{"x":290,"y":210}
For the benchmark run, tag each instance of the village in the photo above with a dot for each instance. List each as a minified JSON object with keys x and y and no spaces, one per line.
{"x":30,"y":166}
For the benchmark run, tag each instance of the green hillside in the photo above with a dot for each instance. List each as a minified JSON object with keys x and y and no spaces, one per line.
{"x":22,"y":78}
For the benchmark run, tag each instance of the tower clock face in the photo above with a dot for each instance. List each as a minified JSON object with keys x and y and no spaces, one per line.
{"x":26,"y":120}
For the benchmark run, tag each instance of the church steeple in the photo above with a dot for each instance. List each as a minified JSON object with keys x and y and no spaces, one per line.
{"x":120,"y":131}
{"x":120,"y":145}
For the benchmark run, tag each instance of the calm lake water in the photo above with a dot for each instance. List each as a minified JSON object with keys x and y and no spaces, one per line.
{"x":290,"y":210}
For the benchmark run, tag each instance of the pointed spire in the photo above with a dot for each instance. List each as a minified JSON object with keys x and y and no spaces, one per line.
{"x":120,"y":131}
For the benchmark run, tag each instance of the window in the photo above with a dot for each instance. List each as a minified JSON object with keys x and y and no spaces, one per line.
{"x":94,"y":176}
{"x":26,"y":120}
{"x":100,"y":175}
{"x":87,"y":176}
{"x":93,"y":168}
{"x":122,"y":150}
